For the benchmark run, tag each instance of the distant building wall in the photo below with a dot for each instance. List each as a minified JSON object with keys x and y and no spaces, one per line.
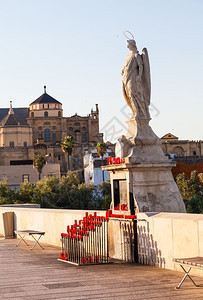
{"x":92,"y":167}
{"x":183,"y":148}
{"x":17,"y":135}
{"x":98,"y":176}
{"x":186,"y":168}
{"x":17,"y":174}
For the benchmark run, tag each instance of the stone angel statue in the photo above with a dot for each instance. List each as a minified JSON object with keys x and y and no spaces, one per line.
{"x":136,"y":81}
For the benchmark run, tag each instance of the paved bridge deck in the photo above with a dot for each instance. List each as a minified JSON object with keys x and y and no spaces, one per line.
{"x":36,"y":274}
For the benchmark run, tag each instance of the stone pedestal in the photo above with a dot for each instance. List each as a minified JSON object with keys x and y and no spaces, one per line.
{"x":150,"y":187}
{"x":144,"y":182}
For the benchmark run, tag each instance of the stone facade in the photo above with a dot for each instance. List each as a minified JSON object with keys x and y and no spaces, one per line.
{"x":172,"y":145}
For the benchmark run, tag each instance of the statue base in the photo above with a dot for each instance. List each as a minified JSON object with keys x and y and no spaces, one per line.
{"x":141,"y":144}
{"x":144,"y":182}
{"x":144,"y":187}
{"x":140,"y":133}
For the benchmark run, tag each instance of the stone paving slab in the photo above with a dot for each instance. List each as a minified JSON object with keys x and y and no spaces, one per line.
{"x":36,"y":274}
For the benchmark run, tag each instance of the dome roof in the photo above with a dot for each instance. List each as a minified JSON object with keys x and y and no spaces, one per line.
{"x":45,"y":98}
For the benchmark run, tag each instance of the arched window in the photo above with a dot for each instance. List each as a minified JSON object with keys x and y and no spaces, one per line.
{"x":71,"y":129}
{"x":179,"y":151}
{"x":77,"y":124}
{"x":32,"y":115}
{"x":46,"y":114}
{"x":83,"y":128}
{"x":40,"y":128}
{"x":77,"y":131}
{"x":59,"y":114}
{"x":47,"y":135}
{"x":47,"y":123}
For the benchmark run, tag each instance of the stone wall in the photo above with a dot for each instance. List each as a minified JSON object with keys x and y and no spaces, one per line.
{"x":52,"y":221}
{"x":164,"y":236}
{"x":161,"y":236}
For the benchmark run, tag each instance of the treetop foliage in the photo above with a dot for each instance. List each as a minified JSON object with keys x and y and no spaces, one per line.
{"x":191,"y":190}
{"x":52,"y":192}
{"x":101,"y":148}
{"x":67,"y":145}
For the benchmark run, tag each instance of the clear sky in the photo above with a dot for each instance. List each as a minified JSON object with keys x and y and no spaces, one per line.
{"x":77,"y":49}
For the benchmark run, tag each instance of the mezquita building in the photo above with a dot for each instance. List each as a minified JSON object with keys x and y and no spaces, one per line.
{"x":39,"y":129}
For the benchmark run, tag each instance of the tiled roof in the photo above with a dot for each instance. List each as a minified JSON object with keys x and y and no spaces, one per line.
{"x":45,"y":98}
{"x":22,"y":112}
{"x":12,"y":120}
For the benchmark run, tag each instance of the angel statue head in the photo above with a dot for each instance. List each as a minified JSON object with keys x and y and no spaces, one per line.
{"x":131,"y":45}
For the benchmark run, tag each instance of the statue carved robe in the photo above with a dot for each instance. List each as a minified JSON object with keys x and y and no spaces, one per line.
{"x":136,"y":84}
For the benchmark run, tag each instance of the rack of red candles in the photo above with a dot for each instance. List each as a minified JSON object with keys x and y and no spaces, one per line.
{"x":86,"y":241}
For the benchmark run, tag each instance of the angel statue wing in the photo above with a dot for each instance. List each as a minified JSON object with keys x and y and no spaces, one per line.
{"x":146,"y":75}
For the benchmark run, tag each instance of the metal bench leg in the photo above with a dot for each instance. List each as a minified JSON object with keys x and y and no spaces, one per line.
{"x":22,"y":239}
{"x":184,"y":277}
{"x":36,"y":242}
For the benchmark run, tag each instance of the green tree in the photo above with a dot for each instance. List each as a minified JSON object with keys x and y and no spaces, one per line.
{"x":70,"y":179}
{"x":47,"y":192}
{"x":188,"y":187}
{"x":25,"y":193}
{"x":191,"y":190}
{"x":7,"y":195}
{"x":68,"y":188}
{"x":67,"y":145}
{"x":101,"y":150}
{"x":39,"y":162}
{"x":200,"y":177}
{"x":195,"y":205}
